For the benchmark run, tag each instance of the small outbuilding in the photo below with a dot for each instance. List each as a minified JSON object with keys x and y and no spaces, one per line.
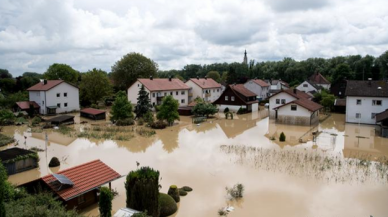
{"x":382,"y":118}
{"x":26,"y":105}
{"x":63,"y":119}
{"x":94,"y":114}
{"x":16,"y":160}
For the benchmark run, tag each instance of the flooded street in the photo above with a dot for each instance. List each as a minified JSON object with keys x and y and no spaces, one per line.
{"x":187,"y":154}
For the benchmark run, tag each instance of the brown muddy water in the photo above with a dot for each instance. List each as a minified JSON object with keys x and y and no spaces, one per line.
{"x":317,"y":178}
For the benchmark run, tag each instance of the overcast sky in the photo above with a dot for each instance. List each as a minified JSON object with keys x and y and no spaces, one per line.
{"x":90,"y":34}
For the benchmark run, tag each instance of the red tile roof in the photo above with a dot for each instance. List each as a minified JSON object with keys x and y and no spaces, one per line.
{"x":26,"y":104}
{"x":43,"y":87}
{"x":317,"y":78}
{"x":297,"y":94}
{"x":242,"y":90}
{"x":260,"y":82}
{"x":305,"y":103}
{"x":92,"y":111}
{"x":205,"y":83}
{"x":160,"y":84}
{"x":85,"y":177}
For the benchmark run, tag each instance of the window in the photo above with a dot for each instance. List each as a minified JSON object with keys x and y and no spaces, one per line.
{"x":232,"y":98}
{"x":305,"y":85}
{"x":171,"y":93}
{"x":358,"y":115}
{"x":226,"y":98}
{"x":293,"y":107}
{"x":65,"y":94}
{"x":58,"y":94}
{"x":283,"y":101}
{"x":359,"y":102}
{"x":373,"y":115}
{"x":153,"y":95}
{"x":165,"y":94}
{"x":138,"y":85}
{"x":58,"y":105}
{"x":277,"y":101}
{"x":153,"y":104}
{"x":177,"y":93}
{"x":214,"y":91}
{"x":376,"y":102}
{"x":81,"y":199}
{"x":218,"y":90}
{"x":182,"y":92}
{"x":182,"y":101}
{"x":65,"y":104}
{"x":42,"y":102}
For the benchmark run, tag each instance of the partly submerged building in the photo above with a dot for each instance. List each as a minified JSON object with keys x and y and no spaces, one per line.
{"x":16,"y":160}
{"x":237,"y":96}
{"x":259,"y":87}
{"x":205,"y":88}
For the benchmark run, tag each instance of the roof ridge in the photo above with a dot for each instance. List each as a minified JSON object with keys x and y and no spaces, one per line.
{"x":59,"y":172}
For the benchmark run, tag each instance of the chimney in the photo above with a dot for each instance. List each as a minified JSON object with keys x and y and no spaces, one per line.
{"x":369,"y":82}
{"x":369,"y":79}
{"x":44,"y":82}
{"x":151,"y":78}
{"x":169,"y":78}
{"x":295,"y":90}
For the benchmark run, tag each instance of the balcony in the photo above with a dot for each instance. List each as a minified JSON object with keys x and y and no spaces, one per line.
{"x":190,"y":94}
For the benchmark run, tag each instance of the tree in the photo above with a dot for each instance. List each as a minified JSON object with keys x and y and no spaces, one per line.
{"x":143,"y":103}
{"x":382,"y":61}
{"x":122,"y":108}
{"x":204,"y":109}
{"x":5,"y":74}
{"x":95,"y":85}
{"x":341,"y":72}
{"x":327,"y":100}
{"x":105,"y":202}
{"x":8,"y":85}
{"x":131,"y":67}
{"x":142,"y":189}
{"x":3,"y":179}
{"x":231,"y":77}
{"x":214,"y":75}
{"x":168,"y":110}
{"x":61,"y":71}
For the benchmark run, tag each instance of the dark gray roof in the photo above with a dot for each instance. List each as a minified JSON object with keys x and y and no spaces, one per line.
{"x":13,"y":153}
{"x":314,"y":85}
{"x":382,"y":116}
{"x":367,"y":88}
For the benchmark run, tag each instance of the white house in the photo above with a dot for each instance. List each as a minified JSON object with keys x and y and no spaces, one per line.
{"x":55,"y":96}
{"x":298,"y":112}
{"x":204,"y":88}
{"x":319,"y":80}
{"x":283,"y":97}
{"x":158,"y":88}
{"x":277,"y":85}
{"x":259,"y":87}
{"x":365,"y":99}
{"x":309,"y":87}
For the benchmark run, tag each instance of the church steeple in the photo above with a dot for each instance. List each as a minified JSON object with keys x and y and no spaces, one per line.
{"x":245,"y":58}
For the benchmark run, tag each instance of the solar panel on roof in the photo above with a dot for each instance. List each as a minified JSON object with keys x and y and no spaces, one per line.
{"x":63,"y":179}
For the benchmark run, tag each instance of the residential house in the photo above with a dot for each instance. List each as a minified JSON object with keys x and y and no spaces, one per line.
{"x":293,"y":106}
{"x":55,"y":96}
{"x":237,"y":96}
{"x":309,"y":87}
{"x":277,"y":85}
{"x":77,"y":187}
{"x":205,"y":88}
{"x":259,"y":87}
{"x":157,"y":88}
{"x":319,"y":80}
{"x":365,"y":99}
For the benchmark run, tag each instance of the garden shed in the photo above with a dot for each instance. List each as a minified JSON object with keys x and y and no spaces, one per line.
{"x":94,"y":114}
{"x":382,"y":118}
{"x":63,"y":119}
{"x":16,"y":160}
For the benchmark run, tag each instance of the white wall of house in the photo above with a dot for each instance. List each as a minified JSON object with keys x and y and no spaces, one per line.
{"x":261,"y":92}
{"x":64,"y":96}
{"x":361,"y":109}
{"x":273,"y":103}
{"x":300,"y":116}
{"x":197,"y":91}
{"x":235,"y":108}
{"x":326,"y":86}
{"x":306,"y":87}
{"x":181,"y":95}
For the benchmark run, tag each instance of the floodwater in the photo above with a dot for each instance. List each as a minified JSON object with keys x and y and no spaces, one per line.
{"x":192,"y":155}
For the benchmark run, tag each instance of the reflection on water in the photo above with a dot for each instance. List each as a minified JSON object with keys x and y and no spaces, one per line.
{"x":189,"y":154}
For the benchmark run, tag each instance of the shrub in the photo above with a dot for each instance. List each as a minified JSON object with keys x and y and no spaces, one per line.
{"x":241,"y":110}
{"x":5,"y":140}
{"x":187,"y":188}
{"x":226,"y":110}
{"x":140,"y":214}
{"x":182,"y":192}
{"x":54,"y":162}
{"x":236,"y":192}
{"x":149,"y":117}
{"x":174,"y":193}
{"x":282,"y":137}
{"x":105,"y":202}
{"x":94,"y":106}
{"x":36,"y":120}
{"x":140,"y":121}
{"x":125,"y":122}
{"x":159,"y":125}
{"x":6,"y":117}
{"x":168,"y":205}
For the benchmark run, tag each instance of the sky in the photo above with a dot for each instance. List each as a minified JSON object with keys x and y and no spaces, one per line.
{"x":87,"y":34}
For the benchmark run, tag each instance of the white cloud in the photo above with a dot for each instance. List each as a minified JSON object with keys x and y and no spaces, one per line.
{"x":87,"y":34}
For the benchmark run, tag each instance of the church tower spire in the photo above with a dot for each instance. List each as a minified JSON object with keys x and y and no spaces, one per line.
{"x":245,"y":58}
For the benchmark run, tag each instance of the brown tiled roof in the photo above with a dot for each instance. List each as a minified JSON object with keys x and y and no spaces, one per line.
{"x":305,"y":103}
{"x":160,"y":84}
{"x":85,"y":177}
{"x":44,"y":87}
{"x":317,"y":78}
{"x":382,"y":116}
{"x":260,"y":82}
{"x":92,"y":111}
{"x":367,"y":88}
{"x":298,"y":94}
{"x":26,"y":104}
{"x":192,"y":104}
{"x":205,"y":83}
{"x":242,"y":90}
